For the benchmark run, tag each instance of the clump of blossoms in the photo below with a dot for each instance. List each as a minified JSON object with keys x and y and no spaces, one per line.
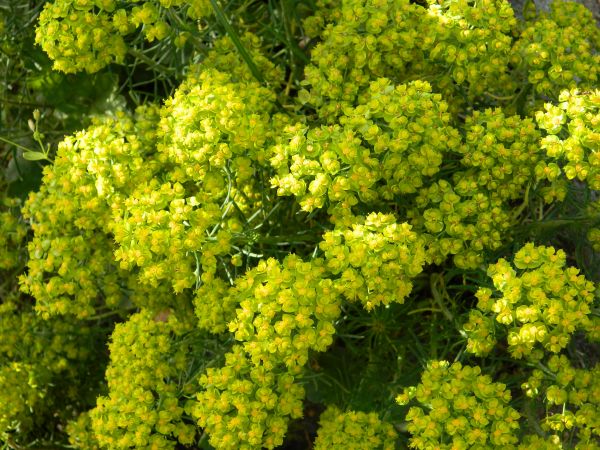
{"x":460,"y":219}
{"x":144,"y":406}
{"x":244,"y":406}
{"x":388,"y":145}
{"x":555,"y":51}
{"x":368,"y":39}
{"x":353,"y":430}
{"x":284,"y":311}
{"x":88,"y":35}
{"x":502,"y":151}
{"x":211,"y":135}
{"x":572,"y":137}
{"x":459,"y":408}
{"x":71,"y":268}
{"x":374,"y":259}
{"x":571,"y":399}
{"x":80,"y":35}
{"x":466,"y":45}
{"x":539,"y":303}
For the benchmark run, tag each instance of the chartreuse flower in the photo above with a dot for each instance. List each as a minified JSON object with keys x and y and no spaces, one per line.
{"x":245,"y":406}
{"x":71,"y":269}
{"x":457,"y":407}
{"x":388,"y":145}
{"x":466,"y":46}
{"x":365,"y":40}
{"x":353,"y":430}
{"x":88,"y":35}
{"x":144,"y":406}
{"x":559,"y":50}
{"x":212,"y":137}
{"x":285,"y":310}
{"x":572,"y":137}
{"x":460,"y":219}
{"x":373,"y":259}
{"x":537,"y":305}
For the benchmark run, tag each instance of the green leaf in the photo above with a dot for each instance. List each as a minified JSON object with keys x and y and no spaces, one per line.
{"x":34,"y":156}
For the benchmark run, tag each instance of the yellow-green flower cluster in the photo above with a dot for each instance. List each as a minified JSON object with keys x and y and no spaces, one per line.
{"x":245,"y":406}
{"x":80,"y":35}
{"x":214,"y":305}
{"x":353,"y":430}
{"x":211,"y":134}
{"x":368,"y":40}
{"x":88,"y":35}
{"x":459,"y":408}
{"x":558,"y":51}
{"x":408,"y":129}
{"x":144,"y":407}
{"x":374,"y":259}
{"x":212,"y":118}
{"x":12,"y":234}
{"x":71,"y":266}
{"x":571,"y":398}
{"x":387,"y":145}
{"x":471,"y":41}
{"x":572,"y":140}
{"x":502,"y":150}
{"x":460,"y":219}
{"x":284,"y":311}
{"x":539,"y":303}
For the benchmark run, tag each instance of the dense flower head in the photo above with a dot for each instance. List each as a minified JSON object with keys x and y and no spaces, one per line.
{"x":243,"y":405}
{"x":570,"y":397}
{"x":538,"y":304}
{"x":557,"y":51}
{"x":459,"y":408}
{"x":367,"y":39}
{"x":285,"y":310}
{"x":468,"y":42}
{"x":76,"y":37}
{"x":374,"y":259}
{"x":572,"y":137}
{"x":390,"y":144}
{"x":144,"y":406}
{"x":71,"y":268}
{"x":460,"y":219}
{"x":88,"y":35}
{"x":353,"y":430}
{"x":503,"y":150}
{"x":210,"y":136}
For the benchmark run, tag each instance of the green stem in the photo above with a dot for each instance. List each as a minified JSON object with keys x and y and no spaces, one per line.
{"x":236,"y":41}
{"x":8,"y":141}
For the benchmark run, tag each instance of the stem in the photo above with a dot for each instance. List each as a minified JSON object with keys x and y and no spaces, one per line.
{"x":19,"y":146}
{"x":236,"y":41}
